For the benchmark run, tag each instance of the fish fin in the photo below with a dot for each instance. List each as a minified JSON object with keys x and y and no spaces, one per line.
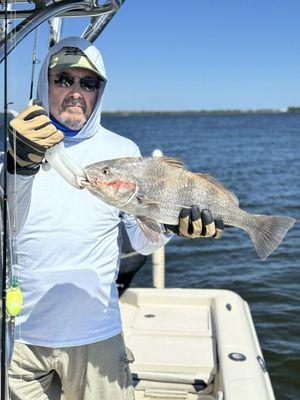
{"x":145,"y":201}
{"x":220,"y":186}
{"x":175,"y":162}
{"x":150,"y":228}
{"x":269,"y":232}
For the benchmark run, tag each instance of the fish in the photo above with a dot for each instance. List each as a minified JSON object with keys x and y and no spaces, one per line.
{"x":155,"y":190}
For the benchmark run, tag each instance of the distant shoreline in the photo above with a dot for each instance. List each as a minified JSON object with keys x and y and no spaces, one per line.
{"x":201,"y":112}
{"x":289,"y":110}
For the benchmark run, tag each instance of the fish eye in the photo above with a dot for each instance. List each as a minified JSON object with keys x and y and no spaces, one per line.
{"x":105,"y":170}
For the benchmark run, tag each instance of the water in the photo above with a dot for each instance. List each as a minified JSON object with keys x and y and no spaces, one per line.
{"x":257,"y":157}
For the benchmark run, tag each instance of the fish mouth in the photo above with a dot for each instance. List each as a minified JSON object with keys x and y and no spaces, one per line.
{"x":92,"y":182}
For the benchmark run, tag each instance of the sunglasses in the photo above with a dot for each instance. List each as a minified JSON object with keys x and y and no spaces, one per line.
{"x":88,"y":83}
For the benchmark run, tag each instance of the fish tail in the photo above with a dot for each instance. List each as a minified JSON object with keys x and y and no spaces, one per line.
{"x":268,"y":232}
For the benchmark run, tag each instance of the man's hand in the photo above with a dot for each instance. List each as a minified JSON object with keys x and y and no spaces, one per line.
{"x":193,"y":224}
{"x":31,"y":133}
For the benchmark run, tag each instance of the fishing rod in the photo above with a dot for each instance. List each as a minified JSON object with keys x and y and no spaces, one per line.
{"x":11,"y":295}
{"x":4,"y":217}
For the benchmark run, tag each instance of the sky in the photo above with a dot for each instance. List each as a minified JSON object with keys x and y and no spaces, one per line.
{"x":187,"y":55}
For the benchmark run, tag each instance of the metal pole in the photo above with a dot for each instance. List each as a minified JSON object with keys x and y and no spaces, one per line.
{"x":55,"y":27}
{"x":90,"y":11}
{"x":158,"y":257}
{"x":34,"y":59}
{"x":99,"y":23}
{"x":158,"y":268}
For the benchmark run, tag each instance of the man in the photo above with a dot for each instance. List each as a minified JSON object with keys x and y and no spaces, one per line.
{"x":68,"y":336}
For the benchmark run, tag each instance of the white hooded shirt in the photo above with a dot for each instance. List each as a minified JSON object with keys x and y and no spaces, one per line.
{"x":67,"y":245}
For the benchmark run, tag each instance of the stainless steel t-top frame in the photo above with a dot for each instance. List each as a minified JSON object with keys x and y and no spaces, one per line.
{"x":45,"y":10}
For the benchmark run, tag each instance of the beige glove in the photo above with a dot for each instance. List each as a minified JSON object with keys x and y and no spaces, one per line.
{"x":31,"y":134}
{"x":193,"y":224}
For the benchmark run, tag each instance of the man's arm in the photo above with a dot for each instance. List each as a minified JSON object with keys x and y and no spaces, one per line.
{"x":138,"y":240}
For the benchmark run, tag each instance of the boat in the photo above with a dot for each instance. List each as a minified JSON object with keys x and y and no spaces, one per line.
{"x":193,"y":344}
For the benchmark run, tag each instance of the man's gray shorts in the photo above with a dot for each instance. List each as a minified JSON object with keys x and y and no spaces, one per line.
{"x":97,"y":371}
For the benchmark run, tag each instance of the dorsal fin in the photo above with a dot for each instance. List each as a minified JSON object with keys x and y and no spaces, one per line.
{"x":220,"y":186}
{"x":175,"y":162}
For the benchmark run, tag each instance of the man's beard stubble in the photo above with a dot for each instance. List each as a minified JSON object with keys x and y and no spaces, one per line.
{"x":73,"y":119}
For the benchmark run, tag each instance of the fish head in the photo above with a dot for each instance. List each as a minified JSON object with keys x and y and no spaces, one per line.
{"x":111,"y":181}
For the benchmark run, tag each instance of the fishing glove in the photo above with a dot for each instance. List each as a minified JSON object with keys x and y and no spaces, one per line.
{"x":193,"y":224}
{"x":31,"y":133}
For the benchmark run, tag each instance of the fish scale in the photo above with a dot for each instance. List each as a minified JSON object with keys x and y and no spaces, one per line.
{"x":185,"y":195}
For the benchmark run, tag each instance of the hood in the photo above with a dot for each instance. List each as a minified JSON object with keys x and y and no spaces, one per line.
{"x":93,"y":123}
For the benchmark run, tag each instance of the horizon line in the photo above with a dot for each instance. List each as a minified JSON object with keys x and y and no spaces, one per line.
{"x":203,"y":111}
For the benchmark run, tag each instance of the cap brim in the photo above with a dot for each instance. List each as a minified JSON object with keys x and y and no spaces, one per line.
{"x":61,"y":67}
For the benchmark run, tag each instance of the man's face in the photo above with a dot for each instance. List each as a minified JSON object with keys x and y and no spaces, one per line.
{"x":71,"y":100}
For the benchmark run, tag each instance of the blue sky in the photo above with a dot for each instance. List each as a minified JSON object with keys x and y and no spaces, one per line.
{"x":189,"y":55}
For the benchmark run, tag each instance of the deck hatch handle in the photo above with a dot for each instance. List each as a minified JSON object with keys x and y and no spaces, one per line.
{"x":237,"y":357}
{"x":149,"y":315}
{"x":166,"y":394}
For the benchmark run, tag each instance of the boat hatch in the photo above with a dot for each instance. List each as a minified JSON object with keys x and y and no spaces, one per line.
{"x":172,"y":341}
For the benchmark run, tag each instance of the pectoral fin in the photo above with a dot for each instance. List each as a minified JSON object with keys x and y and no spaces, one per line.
{"x":150,"y":228}
{"x":144,"y":200}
